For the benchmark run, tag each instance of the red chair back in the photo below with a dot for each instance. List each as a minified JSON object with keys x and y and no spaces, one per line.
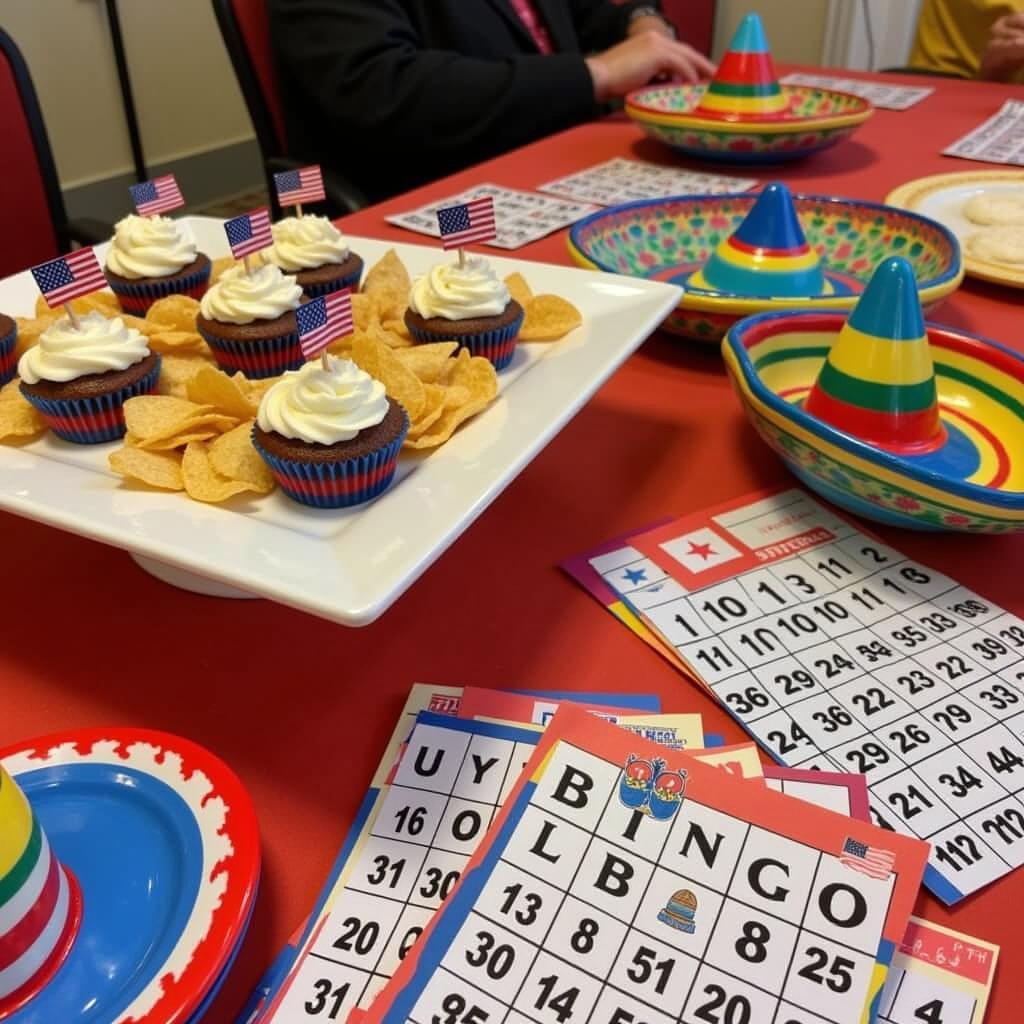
{"x":694,"y":21}
{"x":31,"y":208}
{"x":245,"y":27}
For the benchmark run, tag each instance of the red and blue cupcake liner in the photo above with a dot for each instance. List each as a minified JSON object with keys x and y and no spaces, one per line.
{"x":8,"y":364}
{"x":314,"y":291}
{"x":93,"y":420}
{"x":135,"y":298}
{"x":338,"y":484}
{"x":265,"y":357}
{"x":497,"y":345}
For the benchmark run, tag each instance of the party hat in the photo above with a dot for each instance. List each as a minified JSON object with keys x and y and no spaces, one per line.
{"x":767,"y":255}
{"x":40,"y":905}
{"x":878,"y":382}
{"x":745,"y":84}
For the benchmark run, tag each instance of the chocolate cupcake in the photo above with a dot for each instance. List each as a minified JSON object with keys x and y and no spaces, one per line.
{"x":467,"y":303}
{"x":315,"y":251}
{"x":78,"y":378}
{"x":152,"y":257}
{"x":248,"y":320}
{"x":330,"y":436}
{"x":8,"y":339}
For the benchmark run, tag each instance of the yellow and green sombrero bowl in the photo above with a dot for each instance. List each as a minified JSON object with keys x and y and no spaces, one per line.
{"x":908,"y":423}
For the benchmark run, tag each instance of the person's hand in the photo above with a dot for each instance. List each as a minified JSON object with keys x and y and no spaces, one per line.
{"x":641,"y":58}
{"x":1004,"y":52}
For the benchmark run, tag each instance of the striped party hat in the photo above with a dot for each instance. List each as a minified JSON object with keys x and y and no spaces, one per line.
{"x":767,"y":255}
{"x":878,"y":382}
{"x":745,"y":85}
{"x":40,"y":904}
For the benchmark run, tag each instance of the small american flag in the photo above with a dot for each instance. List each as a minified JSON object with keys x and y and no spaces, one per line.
{"x":157,"y":195}
{"x":305,"y":185}
{"x":468,"y":222}
{"x":249,"y":233}
{"x":868,"y":860}
{"x":322,"y":320}
{"x":66,"y":278}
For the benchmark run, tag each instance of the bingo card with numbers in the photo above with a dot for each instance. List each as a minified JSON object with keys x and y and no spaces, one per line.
{"x":937,"y":976}
{"x":835,"y":651}
{"x":624,"y":883}
{"x":420,"y":834}
{"x":452,"y":777}
{"x":265,"y":1003}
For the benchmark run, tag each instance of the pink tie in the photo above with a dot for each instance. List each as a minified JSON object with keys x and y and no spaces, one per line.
{"x":531,"y":19}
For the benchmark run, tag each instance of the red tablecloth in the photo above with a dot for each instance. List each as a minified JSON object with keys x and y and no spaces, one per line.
{"x":301,"y":708}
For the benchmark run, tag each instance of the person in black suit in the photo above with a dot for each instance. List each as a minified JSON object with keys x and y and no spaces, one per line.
{"x":396,"y":93}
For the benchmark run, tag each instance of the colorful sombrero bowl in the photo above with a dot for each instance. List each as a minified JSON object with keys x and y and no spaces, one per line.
{"x":672,"y":239}
{"x":744,"y":115}
{"x":897,"y":420}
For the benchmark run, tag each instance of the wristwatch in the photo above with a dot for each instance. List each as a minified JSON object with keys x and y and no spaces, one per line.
{"x":648,"y":11}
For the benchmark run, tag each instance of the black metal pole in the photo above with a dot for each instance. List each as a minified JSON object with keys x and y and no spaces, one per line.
{"x":127,"y":100}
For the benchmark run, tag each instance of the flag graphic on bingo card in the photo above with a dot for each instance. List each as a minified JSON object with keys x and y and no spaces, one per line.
{"x":249,"y":233}
{"x":68,"y":277}
{"x":157,"y":195}
{"x":468,"y":222}
{"x":322,"y":320}
{"x":868,"y":860}
{"x":305,"y":185}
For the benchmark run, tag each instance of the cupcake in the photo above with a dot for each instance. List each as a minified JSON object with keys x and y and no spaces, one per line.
{"x":330,"y":434}
{"x":151,"y":257}
{"x":8,"y":337}
{"x":467,"y":303}
{"x":248,"y":319}
{"x":316,"y":252}
{"x":78,"y":378}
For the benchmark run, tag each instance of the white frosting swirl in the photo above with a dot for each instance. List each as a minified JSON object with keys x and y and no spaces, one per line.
{"x":240,"y":297}
{"x":323,"y":406}
{"x":150,"y":247}
{"x":459,"y":293}
{"x":308,"y":241}
{"x":66,"y":353}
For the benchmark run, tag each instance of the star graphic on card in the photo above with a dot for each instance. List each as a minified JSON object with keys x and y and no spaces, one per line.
{"x":635,"y":575}
{"x":701,"y":550}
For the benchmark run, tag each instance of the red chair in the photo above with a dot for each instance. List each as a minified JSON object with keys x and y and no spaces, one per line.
{"x":694,"y":21}
{"x":32,"y":214}
{"x":246,"y":30}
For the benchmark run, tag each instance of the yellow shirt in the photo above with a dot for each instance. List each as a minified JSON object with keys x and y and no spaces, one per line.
{"x":951,"y":34}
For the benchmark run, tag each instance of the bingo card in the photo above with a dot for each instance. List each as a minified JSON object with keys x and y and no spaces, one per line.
{"x":677,"y":731}
{"x":1000,"y":140}
{"x":626,"y":181}
{"x":441,"y":700}
{"x":521,"y":217}
{"x":433,"y":811}
{"x":624,"y":883}
{"x":938,"y":976}
{"x":884,"y":95}
{"x":835,"y":651}
{"x":451,"y":779}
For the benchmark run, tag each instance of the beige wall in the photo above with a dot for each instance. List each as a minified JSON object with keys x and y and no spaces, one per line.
{"x":185,"y":91}
{"x":795,"y":28}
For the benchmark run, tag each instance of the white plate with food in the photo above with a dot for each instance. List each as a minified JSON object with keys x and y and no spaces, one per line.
{"x":984,"y":209}
{"x":347,"y":565}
